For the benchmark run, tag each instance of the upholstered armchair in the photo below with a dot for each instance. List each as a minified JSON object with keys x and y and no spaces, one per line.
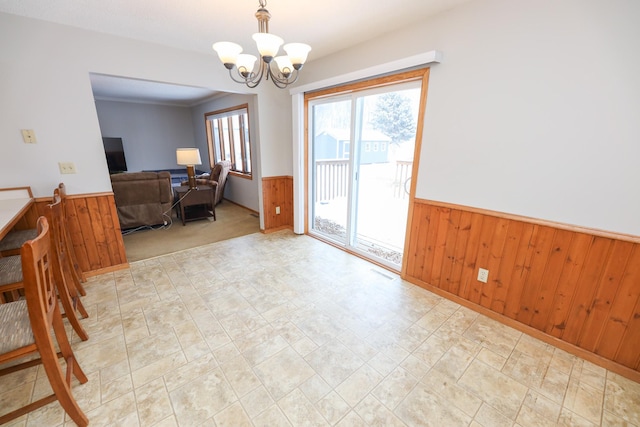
{"x":217,"y":178}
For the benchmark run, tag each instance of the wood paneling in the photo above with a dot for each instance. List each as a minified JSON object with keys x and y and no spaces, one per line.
{"x":94,"y":228}
{"x":277,"y":191}
{"x":579,"y":285}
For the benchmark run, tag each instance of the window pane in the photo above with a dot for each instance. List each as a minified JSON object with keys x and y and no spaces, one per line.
{"x":228,"y":138}
{"x":237,"y":148}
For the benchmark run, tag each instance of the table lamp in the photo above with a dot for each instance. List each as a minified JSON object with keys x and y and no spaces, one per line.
{"x":189,"y":157}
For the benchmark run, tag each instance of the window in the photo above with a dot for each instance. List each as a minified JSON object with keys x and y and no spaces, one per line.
{"x":228,"y":138}
{"x":345,"y":150}
{"x":375,"y":146}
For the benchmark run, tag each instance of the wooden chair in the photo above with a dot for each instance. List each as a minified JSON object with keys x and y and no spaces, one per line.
{"x":12,"y":275}
{"x":25,"y":327}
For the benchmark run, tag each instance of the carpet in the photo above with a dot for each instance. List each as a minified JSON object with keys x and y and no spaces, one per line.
{"x":232,"y":221}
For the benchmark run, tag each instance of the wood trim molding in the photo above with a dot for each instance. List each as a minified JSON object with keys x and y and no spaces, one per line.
{"x":572,"y":285}
{"x":560,"y":225}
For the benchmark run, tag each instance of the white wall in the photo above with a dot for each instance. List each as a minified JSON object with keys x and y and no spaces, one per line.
{"x":45,"y":86}
{"x":150,"y":133}
{"x":533,"y":110}
{"x":239,"y":190}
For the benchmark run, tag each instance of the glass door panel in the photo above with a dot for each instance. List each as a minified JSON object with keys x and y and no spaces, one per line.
{"x":330,"y":168}
{"x":386,"y":131}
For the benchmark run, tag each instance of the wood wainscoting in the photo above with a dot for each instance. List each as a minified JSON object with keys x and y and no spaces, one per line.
{"x":94,"y":228}
{"x":277,"y":191}
{"x":574,"y":287}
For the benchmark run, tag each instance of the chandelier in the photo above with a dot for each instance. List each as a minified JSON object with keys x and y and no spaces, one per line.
{"x":287,"y":66}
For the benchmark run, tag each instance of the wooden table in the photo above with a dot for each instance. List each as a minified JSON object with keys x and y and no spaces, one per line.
{"x":14,"y":203}
{"x":197,"y":200}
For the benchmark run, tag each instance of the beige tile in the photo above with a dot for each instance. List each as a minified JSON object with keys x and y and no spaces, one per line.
{"x":424,"y":407}
{"x":449,"y":390}
{"x":622,"y":398}
{"x":492,"y":386}
{"x":153,"y":403}
{"x":240,"y":375}
{"x":283,"y":372}
{"x":151,"y":349}
{"x":113,"y":411}
{"x":490,"y":417}
{"x":273,"y":416}
{"x":256,"y":401}
{"x":332,"y":407}
{"x":98,"y":355}
{"x":184,"y":373}
{"x":261,"y":352}
{"x":202,"y":398}
{"x":49,"y":415}
{"x":571,"y":419}
{"x":495,"y":336}
{"x":158,"y":368}
{"x":352,"y":419}
{"x":334,"y":362}
{"x":374,"y":413}
{"x":116,"y":388}
{"x":300,"y":411}
{"x":315,"y":388}
{"x":491,"y":358}
{"x":394,"y":388}
{"x":583,"y":399}
{"x":538,"y":410}
{"x":232,"y":416}
{"x":359,"y":384}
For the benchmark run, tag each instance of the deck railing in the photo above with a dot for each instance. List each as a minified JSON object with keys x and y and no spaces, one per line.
{"x":332,"y":179}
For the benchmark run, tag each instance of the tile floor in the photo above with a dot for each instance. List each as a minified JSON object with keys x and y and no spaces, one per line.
{"x":279,"y":330}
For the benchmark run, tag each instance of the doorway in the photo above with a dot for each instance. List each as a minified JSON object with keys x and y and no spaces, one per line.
{"x":361,"y":148}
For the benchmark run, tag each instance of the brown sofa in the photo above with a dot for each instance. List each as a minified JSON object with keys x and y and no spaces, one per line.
{"x":142,"y":198}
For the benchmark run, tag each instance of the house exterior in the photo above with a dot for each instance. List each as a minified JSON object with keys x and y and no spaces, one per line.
{"x":531,"y":122}
{"x":335,"y":144}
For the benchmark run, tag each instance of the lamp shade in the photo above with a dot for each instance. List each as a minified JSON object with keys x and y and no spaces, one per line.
{"x":297,"y":52}
{"x":245,"y":63}
{"x":188,"y":156}
{"x":268,"y":44}
{"x":284,"y":65}
{"x":227,"y":51}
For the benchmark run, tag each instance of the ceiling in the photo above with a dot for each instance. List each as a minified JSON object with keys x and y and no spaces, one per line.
{"x":328,"y":26}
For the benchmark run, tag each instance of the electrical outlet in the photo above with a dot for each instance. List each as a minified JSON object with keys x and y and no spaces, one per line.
{"x":28,"y":136}
{"x":277,"y":210}
{"x":483,"y":275}
{"x":67,"y":167}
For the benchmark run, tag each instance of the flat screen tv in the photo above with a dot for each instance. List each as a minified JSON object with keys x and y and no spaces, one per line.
{"x":114,"y":151}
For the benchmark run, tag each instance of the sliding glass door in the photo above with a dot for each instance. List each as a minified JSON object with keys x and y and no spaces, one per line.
{"x":361,"y":149}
